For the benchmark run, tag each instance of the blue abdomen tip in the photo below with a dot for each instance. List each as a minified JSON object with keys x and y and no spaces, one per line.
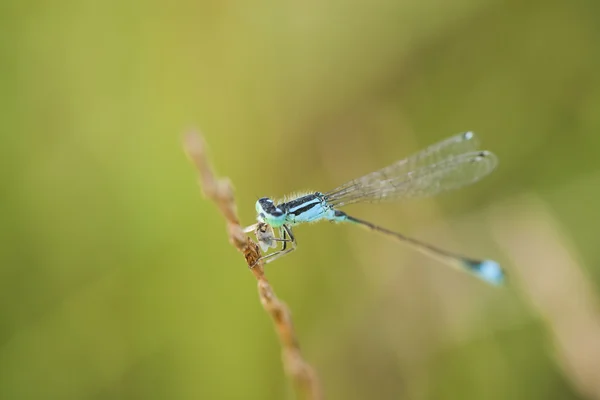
{"x":488,"y":270}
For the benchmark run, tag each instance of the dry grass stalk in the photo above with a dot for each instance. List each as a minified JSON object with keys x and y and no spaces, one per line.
{"x":220,"y":191}
{"x":555,"y":283}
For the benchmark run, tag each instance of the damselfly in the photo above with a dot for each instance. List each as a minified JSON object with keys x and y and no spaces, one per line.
{"x":444,"y":166}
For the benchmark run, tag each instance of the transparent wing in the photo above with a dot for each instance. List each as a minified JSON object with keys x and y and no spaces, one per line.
{"x":444,"y":166}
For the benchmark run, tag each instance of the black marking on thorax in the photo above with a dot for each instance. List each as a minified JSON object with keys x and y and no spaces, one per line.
{"x":301,"y":204}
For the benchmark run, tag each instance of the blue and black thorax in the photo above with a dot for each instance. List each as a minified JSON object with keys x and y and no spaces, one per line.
{"x":308,"y":208}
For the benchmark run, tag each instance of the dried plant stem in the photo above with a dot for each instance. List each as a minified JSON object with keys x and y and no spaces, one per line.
{"x":551,"y":276}
{"x":220,"y":191}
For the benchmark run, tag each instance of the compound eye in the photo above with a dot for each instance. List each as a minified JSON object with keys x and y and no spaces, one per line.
{"x":277,"y":213}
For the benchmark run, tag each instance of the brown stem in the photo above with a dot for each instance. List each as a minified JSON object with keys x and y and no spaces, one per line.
{"x":220,"y":191}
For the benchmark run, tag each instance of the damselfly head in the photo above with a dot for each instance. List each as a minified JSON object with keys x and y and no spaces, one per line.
{"x":269,"y":213}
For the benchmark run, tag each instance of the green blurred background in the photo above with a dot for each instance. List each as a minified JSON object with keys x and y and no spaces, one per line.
{"x":117,"y":280}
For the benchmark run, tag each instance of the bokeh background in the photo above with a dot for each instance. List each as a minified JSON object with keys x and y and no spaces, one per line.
{"x":116,"y":277}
